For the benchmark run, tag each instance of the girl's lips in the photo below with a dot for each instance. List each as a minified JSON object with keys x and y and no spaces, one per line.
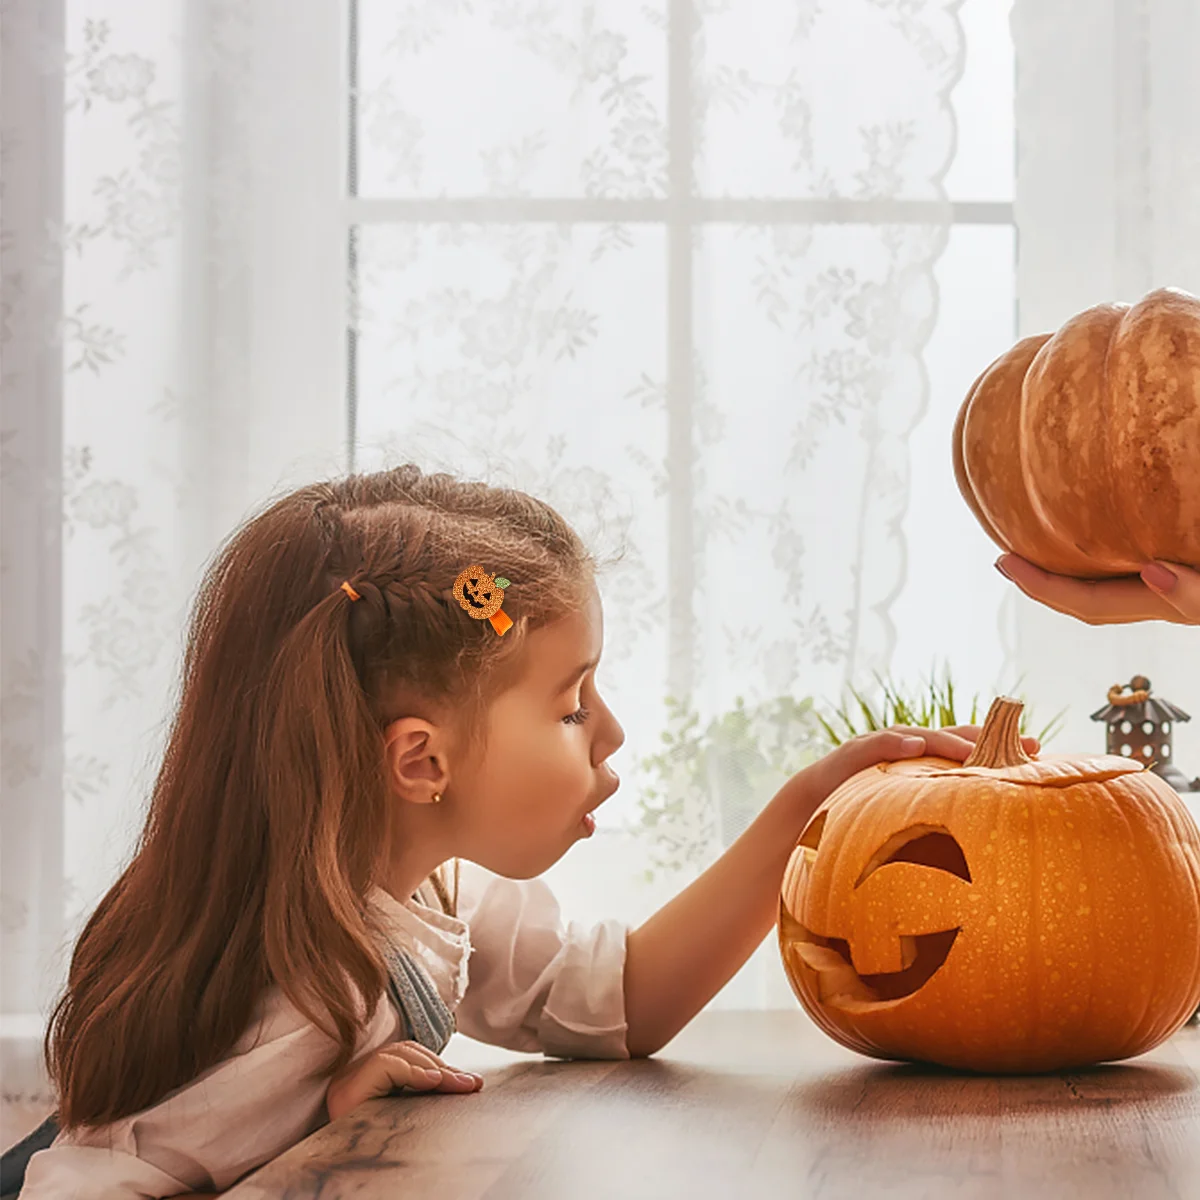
{"x":588,"y":820}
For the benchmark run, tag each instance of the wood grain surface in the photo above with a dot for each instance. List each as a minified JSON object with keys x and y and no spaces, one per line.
{"x":762,"y":1104}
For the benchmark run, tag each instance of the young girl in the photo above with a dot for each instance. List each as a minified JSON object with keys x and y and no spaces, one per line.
{"x":284,"y":944}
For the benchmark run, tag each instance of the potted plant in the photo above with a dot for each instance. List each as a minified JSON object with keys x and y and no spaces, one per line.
{"x":931,"y":705}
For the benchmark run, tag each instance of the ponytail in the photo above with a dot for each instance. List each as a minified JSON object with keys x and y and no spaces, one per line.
{"x":324,"y":791}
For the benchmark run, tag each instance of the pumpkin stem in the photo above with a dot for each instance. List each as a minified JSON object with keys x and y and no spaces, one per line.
{"x":999,"y":742}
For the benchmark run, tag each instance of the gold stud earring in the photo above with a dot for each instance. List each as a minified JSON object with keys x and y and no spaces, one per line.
{"x":437,"y":797}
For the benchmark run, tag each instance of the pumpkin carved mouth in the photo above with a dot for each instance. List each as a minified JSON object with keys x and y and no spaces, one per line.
{"x":841,"y":986}
{"x":922,"y":955}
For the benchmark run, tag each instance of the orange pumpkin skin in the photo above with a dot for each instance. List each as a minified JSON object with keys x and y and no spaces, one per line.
{"x":1081,"y":450}
{"x":1078,"y":932}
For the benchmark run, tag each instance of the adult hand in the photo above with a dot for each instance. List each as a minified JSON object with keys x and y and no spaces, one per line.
{"x":1163,"y":592}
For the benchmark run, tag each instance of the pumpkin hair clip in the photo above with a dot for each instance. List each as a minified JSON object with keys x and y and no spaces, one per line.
{"x":480,"y":595}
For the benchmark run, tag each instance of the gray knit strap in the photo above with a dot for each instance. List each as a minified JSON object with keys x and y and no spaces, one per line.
{"x":423,"y":1013}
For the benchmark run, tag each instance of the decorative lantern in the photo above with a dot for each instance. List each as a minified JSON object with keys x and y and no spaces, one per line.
{"x":1139,"y":727}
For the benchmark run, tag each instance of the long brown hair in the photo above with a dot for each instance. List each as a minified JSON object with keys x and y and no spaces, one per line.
{"x":269,"y":817}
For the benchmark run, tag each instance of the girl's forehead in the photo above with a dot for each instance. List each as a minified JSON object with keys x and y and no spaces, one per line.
{"x":565,"y":647}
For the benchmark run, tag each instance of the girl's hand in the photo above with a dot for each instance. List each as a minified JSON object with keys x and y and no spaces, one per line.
{"x":814,"y":783}
{"x":396,"y":1065}
{"x":1163,"y":592}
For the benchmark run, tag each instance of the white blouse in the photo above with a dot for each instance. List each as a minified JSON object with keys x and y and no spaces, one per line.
{"x":507,"y":968}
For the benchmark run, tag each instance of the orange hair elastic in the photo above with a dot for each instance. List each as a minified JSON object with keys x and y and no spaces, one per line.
{"x":350,"y":591}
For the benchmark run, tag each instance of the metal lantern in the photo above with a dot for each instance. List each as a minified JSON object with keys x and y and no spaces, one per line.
{"x":1139,"y":726}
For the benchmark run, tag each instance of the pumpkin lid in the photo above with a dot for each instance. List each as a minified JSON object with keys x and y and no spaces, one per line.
{"x":1060,"y":771}
{"x":998,"y":754}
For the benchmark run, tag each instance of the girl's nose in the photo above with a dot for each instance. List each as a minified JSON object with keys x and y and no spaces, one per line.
{"x":609,"y":738}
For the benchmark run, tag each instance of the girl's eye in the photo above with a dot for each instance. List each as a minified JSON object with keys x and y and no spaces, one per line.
{"x":578,"y":717}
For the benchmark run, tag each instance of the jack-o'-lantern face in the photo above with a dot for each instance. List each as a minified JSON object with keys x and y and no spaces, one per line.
{"x":999,"y":914}
{"x":477,"y":592}
{"x":894,"y":929}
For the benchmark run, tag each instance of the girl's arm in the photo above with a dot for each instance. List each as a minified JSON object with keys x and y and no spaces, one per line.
{"x":678,"y":960}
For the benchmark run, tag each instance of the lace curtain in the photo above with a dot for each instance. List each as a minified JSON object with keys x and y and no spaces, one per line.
{"x":163,"y":167}
{"x":710,"y":277}
{"x":676,"y":268}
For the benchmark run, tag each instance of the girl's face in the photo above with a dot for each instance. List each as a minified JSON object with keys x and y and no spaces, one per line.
{"x":518,"y":807}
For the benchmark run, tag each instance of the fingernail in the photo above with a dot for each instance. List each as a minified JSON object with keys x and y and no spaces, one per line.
{"x":912,"y":744}
{"x":999,"y":565}
{"x":430,"y":1073}
{"x":1161,"y":578}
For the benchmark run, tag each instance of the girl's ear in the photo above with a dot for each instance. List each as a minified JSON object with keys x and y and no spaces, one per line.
{"x":415,"y":760}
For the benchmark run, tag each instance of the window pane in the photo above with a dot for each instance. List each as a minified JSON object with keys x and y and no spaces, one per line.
{"x":985,"y":145}
{"x":951,"y":601}
{"x":813,"y":100}
{"x":810,"y":340}
{"x":534,"y":356}
{"x":832,"y":359}
{"x":522,"y":98}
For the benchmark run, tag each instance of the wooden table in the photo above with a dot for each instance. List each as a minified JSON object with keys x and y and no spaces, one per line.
{"x":762,"y":1104}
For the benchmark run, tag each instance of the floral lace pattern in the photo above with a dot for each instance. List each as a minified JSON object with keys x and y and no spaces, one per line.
{"x":765,"y":439}
{"x":716,"y":388}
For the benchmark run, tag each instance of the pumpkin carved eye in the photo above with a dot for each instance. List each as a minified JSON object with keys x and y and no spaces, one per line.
{"x":925,"y":845}
{"x":811,"y":837}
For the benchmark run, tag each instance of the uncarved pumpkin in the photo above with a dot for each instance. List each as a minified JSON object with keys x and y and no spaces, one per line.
{"x":1081,"y":450}
{"x":1004,"y":914}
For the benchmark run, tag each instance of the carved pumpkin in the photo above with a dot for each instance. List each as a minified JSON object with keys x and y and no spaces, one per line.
{"x":1081,"y":450}
{"x":1002,"y":914}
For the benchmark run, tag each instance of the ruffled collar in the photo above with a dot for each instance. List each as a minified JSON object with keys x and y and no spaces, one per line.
{"x":441,"y":943}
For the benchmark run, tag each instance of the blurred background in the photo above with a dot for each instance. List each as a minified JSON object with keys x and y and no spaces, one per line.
{"x":711,"y":276}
